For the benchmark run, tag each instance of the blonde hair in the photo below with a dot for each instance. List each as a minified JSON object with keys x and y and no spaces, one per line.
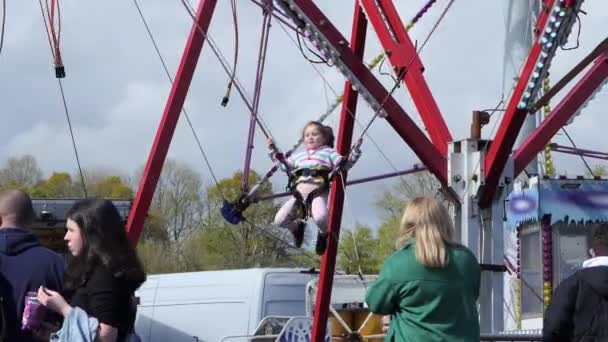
{"x":427,"y":223}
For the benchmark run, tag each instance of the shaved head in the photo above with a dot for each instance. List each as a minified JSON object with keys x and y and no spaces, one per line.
{"x":16,"y":209}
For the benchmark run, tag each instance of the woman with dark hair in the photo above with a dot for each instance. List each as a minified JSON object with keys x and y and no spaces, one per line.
{"x":103,"y":271}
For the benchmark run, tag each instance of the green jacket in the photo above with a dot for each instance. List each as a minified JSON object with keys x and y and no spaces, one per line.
{"x":428,"y":304}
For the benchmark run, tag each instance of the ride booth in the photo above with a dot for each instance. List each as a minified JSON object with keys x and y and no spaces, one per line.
{"x":547,"y":237}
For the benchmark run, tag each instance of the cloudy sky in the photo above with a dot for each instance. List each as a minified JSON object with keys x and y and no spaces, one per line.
{"x":116,"y":88}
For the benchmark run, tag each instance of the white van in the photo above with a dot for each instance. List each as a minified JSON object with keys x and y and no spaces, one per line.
{"x":215,"y":305}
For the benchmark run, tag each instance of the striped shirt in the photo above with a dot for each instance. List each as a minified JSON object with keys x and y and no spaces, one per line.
{"x":323,"y":158}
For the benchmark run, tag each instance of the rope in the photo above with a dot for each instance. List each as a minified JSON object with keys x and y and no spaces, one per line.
{"x":67,"y":115}
{"x":54,"y":45}
{"x":236,"y":53}
{"x":3,"y":25}
{"x":217,"y":52}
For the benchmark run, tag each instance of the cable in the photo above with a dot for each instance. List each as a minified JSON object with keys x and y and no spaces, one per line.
{"x":578,"y":36}
{"x":439,"y":20}
{"x":46,"y":28}
{"x":385,"y":73}
{"x":239,"y":87}
{"x":574,"y":145}
{"x":236,"y":53}
{"x":162,"y":60}
{"x":67,"y":115}
{"x":320,"y":61}
{"x":3,"y":25}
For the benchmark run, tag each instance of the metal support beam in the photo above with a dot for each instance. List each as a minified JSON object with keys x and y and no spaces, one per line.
{"x":579,"y":152}
{"x":478,"y":229}
{"x":257,"y":89}
{"x":336,"y":197}
{"x":569,"y":105}
{"x":553,"y":25}
{"x":403,"y":56}
{"x":355,"y":181}
{"x":601,"y":48}
{"x":164,"y":134}
{"x":331,"y":43}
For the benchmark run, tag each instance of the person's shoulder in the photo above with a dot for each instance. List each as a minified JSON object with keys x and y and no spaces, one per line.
{"x":47,"y":255}
{"x":401,"y":256}
{"x":464,"y":255}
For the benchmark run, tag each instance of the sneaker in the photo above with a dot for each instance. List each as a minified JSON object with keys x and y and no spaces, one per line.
{"x":298,"y":233}
{"x":321,"y":243}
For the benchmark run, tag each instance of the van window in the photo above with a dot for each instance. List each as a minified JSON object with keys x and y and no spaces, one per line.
{"x":285,"y":294}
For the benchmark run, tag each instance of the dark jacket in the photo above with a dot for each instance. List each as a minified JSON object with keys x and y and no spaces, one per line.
{"x":25,"y":265}
{"x":578,"y":310}
{"x":428,"y":304}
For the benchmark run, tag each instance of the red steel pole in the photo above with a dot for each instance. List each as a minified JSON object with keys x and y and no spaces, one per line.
{"x":336,"y":199}
{"x":167,"y":125}
{"x":401,"y":52}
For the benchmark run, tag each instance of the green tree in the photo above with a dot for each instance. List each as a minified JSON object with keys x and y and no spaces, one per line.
{"x":112,"y":187}
{"x":58,"y":185}
{"x":599,"y":170}
{"x":255,"y":242}
{"x":358,"y":251}
{"x":387,"y":236}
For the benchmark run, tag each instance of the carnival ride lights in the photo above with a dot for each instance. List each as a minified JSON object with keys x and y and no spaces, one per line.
{"x":555,"y":33}
{"x":553,"y":25}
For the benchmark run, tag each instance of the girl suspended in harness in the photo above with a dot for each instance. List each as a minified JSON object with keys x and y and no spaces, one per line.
{"x":309,"y":172}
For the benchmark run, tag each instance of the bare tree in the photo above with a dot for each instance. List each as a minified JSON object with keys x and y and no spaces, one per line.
{"x":179,"y":199}
{"x":20,"y":171}
{"x":392,"y":201}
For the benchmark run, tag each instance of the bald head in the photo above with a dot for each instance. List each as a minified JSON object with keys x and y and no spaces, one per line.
{"x":16,"y":209}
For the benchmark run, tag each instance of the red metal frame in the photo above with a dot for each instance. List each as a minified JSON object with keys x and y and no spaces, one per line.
{"x":513,"y":118}
{"x":336,"y":195}
{"x":560,"y":115}
{"x":599,"y":49}
{"x":408,"y":130}
{"x":166,"y":128}
{"x":402,"y":54}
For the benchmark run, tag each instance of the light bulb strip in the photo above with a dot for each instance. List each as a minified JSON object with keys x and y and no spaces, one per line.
{"x":326,"y":48}
{"x":553,"y":34}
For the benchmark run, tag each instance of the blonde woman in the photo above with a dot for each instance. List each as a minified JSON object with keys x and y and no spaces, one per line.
{"x":431,"y":284}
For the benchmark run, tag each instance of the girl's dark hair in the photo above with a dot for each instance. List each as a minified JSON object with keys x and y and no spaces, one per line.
{"x":105,"y":243}
{"x":326,"y":131}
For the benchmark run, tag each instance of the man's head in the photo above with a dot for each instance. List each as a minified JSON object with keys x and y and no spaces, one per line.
{"x":599,"y":240}
{"x":16,"y":209}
